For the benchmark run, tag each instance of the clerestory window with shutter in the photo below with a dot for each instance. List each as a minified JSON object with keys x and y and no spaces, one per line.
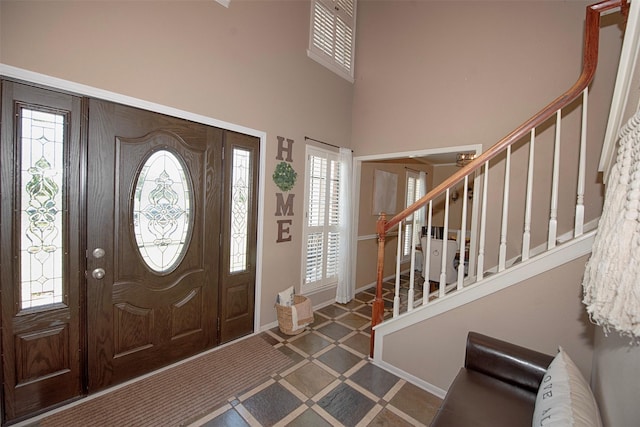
{"x":321,"y":232}
{"x":332,"y":35}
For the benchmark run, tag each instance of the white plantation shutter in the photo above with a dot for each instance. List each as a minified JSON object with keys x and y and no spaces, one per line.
{"x":332,"y":35}
{"x":333,"y":220}
{"x":321,"y":232}
{"x":322,"y":33}
{"x":314,"y":258}
{"x":413,"y":193}
{"x":333,"y":252}
{"x":317,"y":193}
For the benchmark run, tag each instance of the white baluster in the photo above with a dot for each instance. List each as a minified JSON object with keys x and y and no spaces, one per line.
{"x":396,"y":297}
{"x":463,"y":233}
{"x":526,"y":237}
{"x":412,"y":273}
{"x":426,"y":287}
{"x":578,"y":228}
{"x":483,"y":222}
{"x":445,"y":235}
{"x":505,"y":212}
{"x":472,"y":252}
{"x":553,"y":216}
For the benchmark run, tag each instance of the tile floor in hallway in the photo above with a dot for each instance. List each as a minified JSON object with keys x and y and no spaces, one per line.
{"x":332,"y":382}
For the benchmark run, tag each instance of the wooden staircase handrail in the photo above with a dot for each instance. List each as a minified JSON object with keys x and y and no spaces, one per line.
{"x":590,"y":60}
{"x":589,"y":63}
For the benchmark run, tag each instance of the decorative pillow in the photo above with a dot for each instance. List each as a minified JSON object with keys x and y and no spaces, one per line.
{"x":564,"y":397}
{"x":286,"y":297}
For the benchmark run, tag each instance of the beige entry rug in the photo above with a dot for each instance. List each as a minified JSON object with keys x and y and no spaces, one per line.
{"x":181,"y":394}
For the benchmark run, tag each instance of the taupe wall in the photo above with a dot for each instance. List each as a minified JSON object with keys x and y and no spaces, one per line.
{"x":542,"y":313}
{"x":616,"y":369}
{"x":444,"y":73}
{"x":246,"y":65}
{"x":367,"y":254}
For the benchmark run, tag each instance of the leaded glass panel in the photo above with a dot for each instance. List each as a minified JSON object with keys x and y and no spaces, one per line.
{"x":240,"y":187}
{"x":162,"y":211}
{"x":42,"y":152}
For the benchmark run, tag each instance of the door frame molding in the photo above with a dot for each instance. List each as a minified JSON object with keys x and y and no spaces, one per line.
{"x":94,"y":92}
{"x":357,"y":178}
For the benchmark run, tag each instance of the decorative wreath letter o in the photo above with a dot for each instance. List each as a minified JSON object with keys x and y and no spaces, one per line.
{"x":284,"y":176}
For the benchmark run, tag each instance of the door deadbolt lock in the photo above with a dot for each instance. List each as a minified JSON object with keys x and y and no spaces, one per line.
{"x":98,"y":273}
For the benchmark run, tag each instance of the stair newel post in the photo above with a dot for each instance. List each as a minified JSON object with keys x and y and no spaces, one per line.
{"x":377,"y":312}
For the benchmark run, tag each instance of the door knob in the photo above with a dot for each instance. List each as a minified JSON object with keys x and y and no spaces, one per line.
{"x":98,"y":273}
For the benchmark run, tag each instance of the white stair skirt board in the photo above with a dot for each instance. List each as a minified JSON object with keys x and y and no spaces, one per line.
{"x":436,"y":391}
{"x":555,"y":257}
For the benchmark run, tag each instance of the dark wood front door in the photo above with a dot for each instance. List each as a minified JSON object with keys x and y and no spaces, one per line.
{"x":153,"y":226}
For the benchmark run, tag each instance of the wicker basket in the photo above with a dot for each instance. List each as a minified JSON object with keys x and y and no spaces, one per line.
{"x":285,"y":322}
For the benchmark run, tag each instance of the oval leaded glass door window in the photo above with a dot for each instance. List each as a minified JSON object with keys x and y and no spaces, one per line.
{"x":162,"y":211}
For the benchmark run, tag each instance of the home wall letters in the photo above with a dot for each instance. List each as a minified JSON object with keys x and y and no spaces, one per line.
{"x":284,"y":177}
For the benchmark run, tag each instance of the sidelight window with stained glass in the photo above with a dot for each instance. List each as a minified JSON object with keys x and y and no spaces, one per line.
{"x":42,"y":176}
{"x":240,"y":197}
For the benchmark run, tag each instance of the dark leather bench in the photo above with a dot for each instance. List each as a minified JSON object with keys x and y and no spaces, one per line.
{"x":496,"y":387}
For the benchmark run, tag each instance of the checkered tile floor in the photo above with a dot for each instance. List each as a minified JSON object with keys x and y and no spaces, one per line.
{"x":332,"y":382}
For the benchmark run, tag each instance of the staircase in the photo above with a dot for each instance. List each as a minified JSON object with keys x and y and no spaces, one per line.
{"x":543,"y":220}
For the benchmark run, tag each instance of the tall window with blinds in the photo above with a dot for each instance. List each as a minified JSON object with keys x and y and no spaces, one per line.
{"x":332,"y":35}
{"x":321,"y":231}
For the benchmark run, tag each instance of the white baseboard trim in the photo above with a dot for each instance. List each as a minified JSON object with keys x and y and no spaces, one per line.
{"x":268,"y":326}
{"x":436,"y":391}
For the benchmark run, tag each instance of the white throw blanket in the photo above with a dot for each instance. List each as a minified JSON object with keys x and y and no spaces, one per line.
{"x":612,"y":276}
